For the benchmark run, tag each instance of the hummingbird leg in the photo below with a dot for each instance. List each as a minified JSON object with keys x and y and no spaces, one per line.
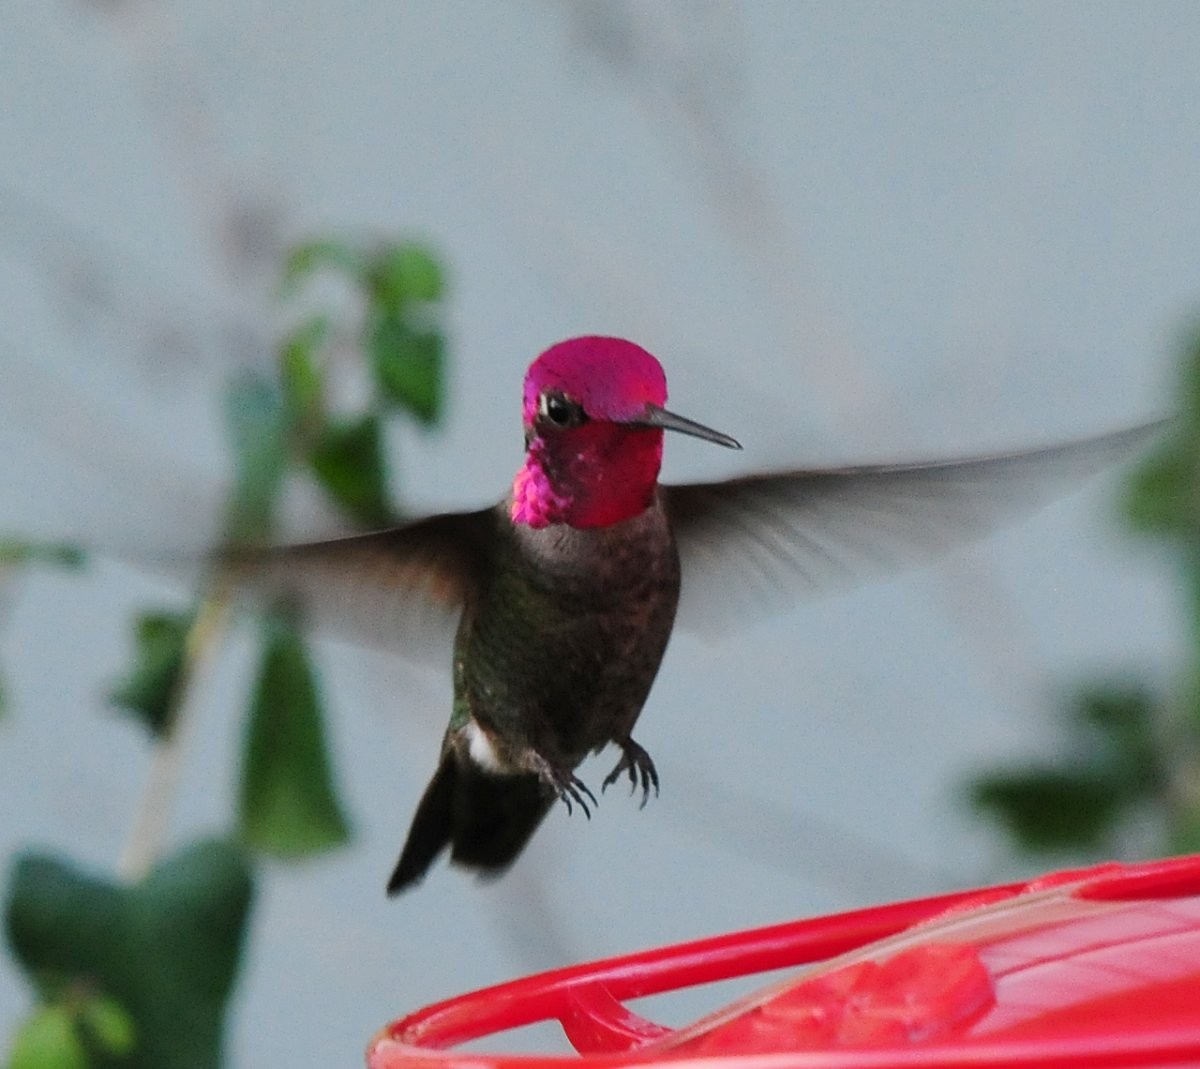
{"x":640,"y":768}
{"x":567,"y":786}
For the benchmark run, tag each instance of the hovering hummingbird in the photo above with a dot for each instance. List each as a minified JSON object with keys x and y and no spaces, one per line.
{"x":566,"y":591}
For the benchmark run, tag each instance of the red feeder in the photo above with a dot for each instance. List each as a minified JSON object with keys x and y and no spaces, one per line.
{"x":1095,"y":967}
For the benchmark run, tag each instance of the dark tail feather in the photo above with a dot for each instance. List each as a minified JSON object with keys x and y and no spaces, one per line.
{"x":485,"y":819}
{"x":495,"y":817}
{"x":430,"y":830}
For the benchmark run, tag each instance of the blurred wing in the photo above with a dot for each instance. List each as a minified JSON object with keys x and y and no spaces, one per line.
{"x":400,"y":589}
{"x":759,"y":542}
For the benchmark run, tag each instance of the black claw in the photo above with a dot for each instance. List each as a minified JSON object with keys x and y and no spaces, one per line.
{"x":567,"y":787}
{"x":640,"y":768}
{"x":587,"y":790}
{"x":575,"y":790}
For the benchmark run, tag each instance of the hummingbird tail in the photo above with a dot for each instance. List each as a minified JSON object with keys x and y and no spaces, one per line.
{"x":497,"y":817}
{"x":430,"y":830}
{"x":486,"y":819}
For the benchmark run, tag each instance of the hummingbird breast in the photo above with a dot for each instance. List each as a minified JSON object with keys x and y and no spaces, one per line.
{"x":558,"y":651}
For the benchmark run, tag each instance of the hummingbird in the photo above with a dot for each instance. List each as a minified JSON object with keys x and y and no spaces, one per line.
{"x":565,"y":593}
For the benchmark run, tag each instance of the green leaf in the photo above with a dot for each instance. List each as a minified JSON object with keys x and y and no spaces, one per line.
{"x":149,"y":687}
{"x":48,"y":1040}
{"x":305,"y":260}
{"x":1184,"y":835}
{"x":1121,"y":717}
{"x":166,"y":950}
{"x":408,"y":366}
{"x":400,"y":274}
{"x":58,"y":554}
{"x":1050,"y":809}
{"x":1189,"y":385}
{"x":108,"y":1026}
{"x":348,"y":462}
{"x":288,"y":805}
{"x":258,"y":423}
{"x":300,"y":372}
{"x":1163,"y":496}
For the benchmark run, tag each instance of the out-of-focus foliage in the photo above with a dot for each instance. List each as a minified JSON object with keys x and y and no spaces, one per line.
{"x":58,"y":554}
{"x":139,"y":976}
{"x":288,"y":806}
{"x":149,"y":688}
{"x":258,"y":425}
{"x":302,"y":378}
{"x":348,"y":461}
{"x":1133,"y":746}
{"x":1115,"y":764}
{"x":132,"y":976}
{"x":49,"y":1038}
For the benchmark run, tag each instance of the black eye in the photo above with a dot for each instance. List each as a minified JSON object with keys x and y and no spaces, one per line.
{"x":560,"y":410}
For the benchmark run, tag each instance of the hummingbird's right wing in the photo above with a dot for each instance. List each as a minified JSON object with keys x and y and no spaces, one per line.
{"x":400,"y":588}
{"x":749,"y":544}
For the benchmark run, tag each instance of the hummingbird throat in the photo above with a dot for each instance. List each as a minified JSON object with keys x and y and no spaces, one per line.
{"x":592,"y":476}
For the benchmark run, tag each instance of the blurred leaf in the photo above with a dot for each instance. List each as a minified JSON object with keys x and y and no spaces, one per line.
{"x":288,"y":805}
{"x":300,"y":372}
{"x":149,"y":687}
{"x":258,"y":423}
{"x":404,"y":273}
{"x":48,"y":1039}
{"x":1185,"y":706}
{"x":59,"y":554}
{"x":1189,"y":380}
{"x":1185,"y":833}
{"x":1048,"y":809}
{"x":1163,"y":496}
{"x":305,"y":260}
{"x":1122,"y":716}
{"x":408,"y":366}
{"x":166,"y":949}
{"x":348,"y":462}
{"x":108,"y":1026}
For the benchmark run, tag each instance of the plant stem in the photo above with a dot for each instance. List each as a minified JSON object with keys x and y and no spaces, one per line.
{"x":152,"y":816}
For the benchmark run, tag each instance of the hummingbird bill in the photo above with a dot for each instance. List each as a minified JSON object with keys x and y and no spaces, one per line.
{"x":563,"y":596}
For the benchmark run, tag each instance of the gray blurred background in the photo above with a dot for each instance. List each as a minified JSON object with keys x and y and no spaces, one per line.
{"x":850,"y":231}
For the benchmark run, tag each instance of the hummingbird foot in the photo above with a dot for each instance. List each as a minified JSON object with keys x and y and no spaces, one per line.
{"x":639,"y":767}
{"x":567,"y":786}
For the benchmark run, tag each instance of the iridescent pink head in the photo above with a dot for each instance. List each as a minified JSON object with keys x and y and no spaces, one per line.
{"x":594,"y":417}
{"x":611,"y":378}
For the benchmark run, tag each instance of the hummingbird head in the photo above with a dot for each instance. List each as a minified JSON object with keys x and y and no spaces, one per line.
{"x":594,"y":422}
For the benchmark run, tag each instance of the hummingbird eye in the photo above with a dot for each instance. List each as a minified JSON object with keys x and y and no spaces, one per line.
{"x":560,"y":410}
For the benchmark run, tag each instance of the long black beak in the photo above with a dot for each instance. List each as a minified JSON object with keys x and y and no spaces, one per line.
{"x":668,"y":421}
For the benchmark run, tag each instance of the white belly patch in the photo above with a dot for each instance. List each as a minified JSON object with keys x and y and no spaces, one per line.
{"x":480,"y":748}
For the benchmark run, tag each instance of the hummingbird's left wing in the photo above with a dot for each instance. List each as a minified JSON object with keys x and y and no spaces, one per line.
{"x":401,"y":587}
{"x":749,"y":542}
